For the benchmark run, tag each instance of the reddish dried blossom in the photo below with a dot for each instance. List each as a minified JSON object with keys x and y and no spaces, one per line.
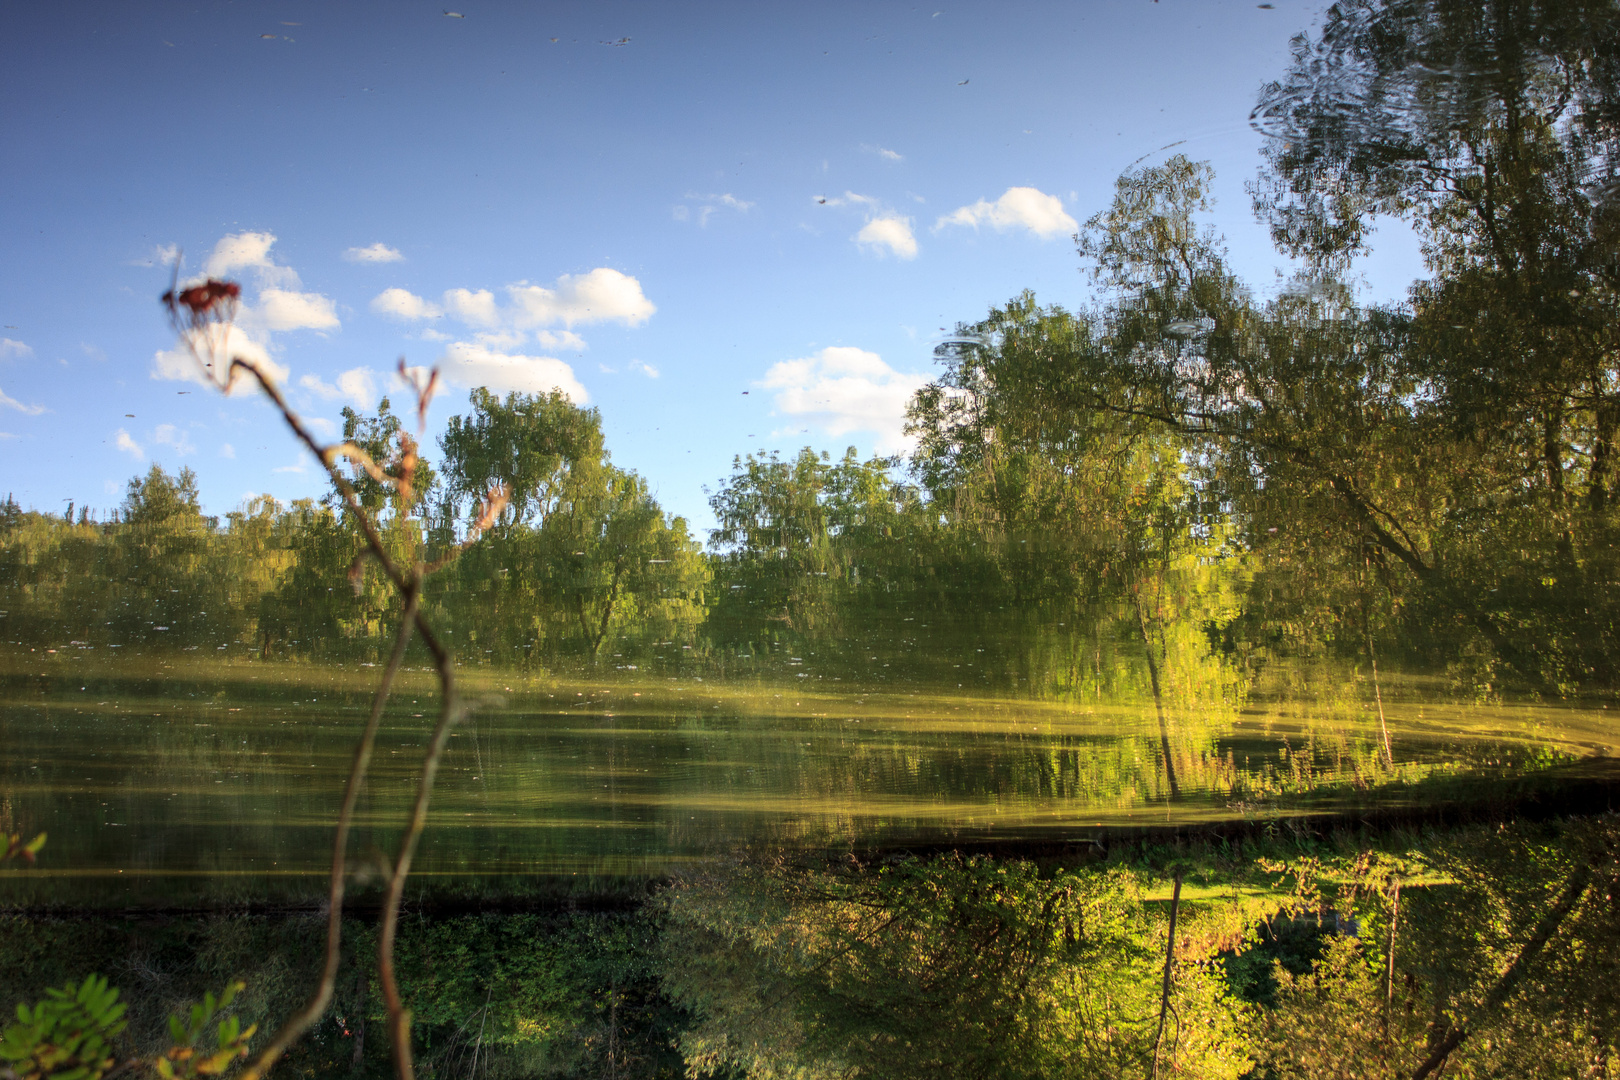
{"x":212,"y":298}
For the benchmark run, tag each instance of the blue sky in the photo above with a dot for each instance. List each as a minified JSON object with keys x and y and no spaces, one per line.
{"x":729,"y":227}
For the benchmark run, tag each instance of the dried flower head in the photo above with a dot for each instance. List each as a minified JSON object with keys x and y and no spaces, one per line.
{"x":202,"y":315}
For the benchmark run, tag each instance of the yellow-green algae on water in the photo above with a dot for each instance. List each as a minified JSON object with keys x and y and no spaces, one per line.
{"x":167,"y":777}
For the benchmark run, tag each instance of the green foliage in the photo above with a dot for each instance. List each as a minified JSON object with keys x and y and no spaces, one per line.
{"x":197,"y":1051}
{"x":66,"y":1036}
{"x":804,"y":544}
{"x":582,"y":555}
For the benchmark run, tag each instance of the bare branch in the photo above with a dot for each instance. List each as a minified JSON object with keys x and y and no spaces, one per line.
{"x":312,"y":1011}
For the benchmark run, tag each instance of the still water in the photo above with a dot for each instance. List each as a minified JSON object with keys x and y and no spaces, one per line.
{"x":161,"y":777}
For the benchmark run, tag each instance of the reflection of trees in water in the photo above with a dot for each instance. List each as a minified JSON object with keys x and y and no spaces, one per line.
{"x":1000,"y":968}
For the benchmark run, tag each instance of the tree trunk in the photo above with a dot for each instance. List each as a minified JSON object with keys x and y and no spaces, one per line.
{"x":607,"y":608}
{"x":1158,"y":702}
{"x":1169,"y":969}
{"x":1378,"y":694}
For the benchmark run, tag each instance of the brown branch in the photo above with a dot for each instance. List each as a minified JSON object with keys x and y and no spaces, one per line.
{"x":312,"y":1011}
{"x":450,"y":712}
{"x":201,"y":315}
{"x":326,"y":456}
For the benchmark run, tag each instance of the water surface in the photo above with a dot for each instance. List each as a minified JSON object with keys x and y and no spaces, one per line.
{"x":167,"y":777}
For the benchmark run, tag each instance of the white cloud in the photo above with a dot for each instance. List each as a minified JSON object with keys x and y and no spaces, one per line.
{"x":160,"y":255}
{"x":501,"y":340}
{"x":128,"y":445}
{"x":646,"y":369}
{"x":560,"y":339}
{"x":404,"y":305}
{"x":706,"y":205}
{"x":358,"y":385}
{"x":171,"y":436}
{"x":250,"y":251}
{"x":848,"y":198}
{"x":886,"y":155}
{"x":280,"y":309}
{"x":178,"y":365}
{"x":376,"y":253}
{"x":891,"y":232}
{"x":843,"y":389}
{"x":321,"y":426}
{"x":9,"y":435}
{"x":468,"y":364}
{"x":472,"y":308}
{"x":603,"y":295}
{"x":1018,"y":207}
{"x":289,"y":468}
{"x":14,"y":350}
{"x":226,"y":450}
{"x":9,"y":402}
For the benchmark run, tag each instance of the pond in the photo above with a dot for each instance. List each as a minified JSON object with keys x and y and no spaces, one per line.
{"x":163,"y":777}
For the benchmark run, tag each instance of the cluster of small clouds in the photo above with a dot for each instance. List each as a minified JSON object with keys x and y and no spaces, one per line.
{"x":842,"y":389}
{"x":503,"y":339}
{"x":705,"y":206}
{"x":886,"y":231}
{"x":498,"y":326}
{"x":487,"y":350}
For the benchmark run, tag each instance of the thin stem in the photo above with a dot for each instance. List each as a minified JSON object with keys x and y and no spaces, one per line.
{"x":450,"y":713}
{"x":1389,"y":956}
{"x":301,"y":1021}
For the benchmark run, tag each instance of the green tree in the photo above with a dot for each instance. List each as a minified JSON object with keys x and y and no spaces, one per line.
{"x":1492,"y":131}
{"x":583,"y":554}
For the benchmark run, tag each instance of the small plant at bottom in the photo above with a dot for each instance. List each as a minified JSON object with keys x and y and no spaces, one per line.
{"x":191,"y":1055}
{"x":67,"y":1036}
